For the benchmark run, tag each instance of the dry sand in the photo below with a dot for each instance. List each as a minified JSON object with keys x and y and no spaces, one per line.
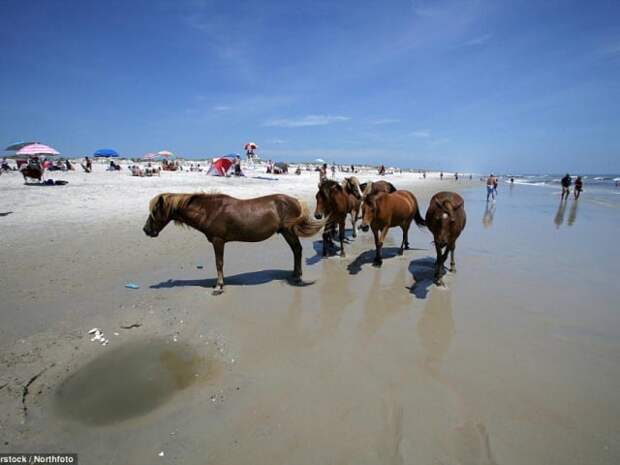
{"x":516,"y":361}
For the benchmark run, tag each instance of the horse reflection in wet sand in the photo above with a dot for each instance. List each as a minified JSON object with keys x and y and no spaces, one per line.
{"x":222,"y":218}
{"x":446,"y":219}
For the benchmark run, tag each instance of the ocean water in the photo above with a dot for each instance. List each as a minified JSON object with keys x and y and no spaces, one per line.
{"x":600,"y":187}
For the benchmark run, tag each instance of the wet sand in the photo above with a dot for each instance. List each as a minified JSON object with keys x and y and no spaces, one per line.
{"x":516,"y":360}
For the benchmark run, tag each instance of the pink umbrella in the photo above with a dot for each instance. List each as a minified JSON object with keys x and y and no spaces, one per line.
{"x":149,"y":156}
{"x":37,"y":149}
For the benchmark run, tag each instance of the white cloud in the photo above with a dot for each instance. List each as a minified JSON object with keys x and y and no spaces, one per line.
{"x":221,"y":108}
{"x":385,"y":121}
{"x":480,"y":40}
{"x":277,"y":141}
{"x":308,"y":120}
{"x":421,"y":133}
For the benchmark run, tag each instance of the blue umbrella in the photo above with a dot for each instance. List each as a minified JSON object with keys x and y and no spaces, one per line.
{"x":106,"y":153}
{"x":18,"y":146}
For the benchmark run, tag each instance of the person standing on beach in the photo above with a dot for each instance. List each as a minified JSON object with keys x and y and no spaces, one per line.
{"x":441,"y":176}
{"x":578,"y":187}
{"x":566,"y":182}
{"x":323,"y":173}
{"x":491,"y":186}
{"x":333,"y":171}
{"x":456,"y":176}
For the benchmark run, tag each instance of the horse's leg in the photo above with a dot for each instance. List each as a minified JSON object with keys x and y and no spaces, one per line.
{"x":377,"y":261}
{"x":441,"y":258}
{"x":353,"y":222}
{"x":405,"y":243}
{"x":293,"y":241}
{"x":341,"y":226}
{"x":326,"y":234}
{"x":452,"y":262}
{"x":218,"y":247}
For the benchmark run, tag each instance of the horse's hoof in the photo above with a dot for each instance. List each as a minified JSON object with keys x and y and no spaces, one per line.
{"x":377,"y":263}
{"x":452,"y":269}
{"x":218,"y":291}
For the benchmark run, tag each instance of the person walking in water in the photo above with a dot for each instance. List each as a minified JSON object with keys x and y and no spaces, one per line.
{"x":566,"y":182}
{"x":491,"y":186}
{"x":578,"y":187}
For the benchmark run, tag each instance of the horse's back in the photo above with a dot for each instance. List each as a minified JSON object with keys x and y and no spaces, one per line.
{"x":399,"y":206}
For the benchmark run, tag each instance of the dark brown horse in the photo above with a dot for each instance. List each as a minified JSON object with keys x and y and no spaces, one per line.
{"x":224,"y":219}
{"x":445,"y":218}
{"x":375,"y":187}
{"x":332,"y":203}
{"x":387,"y":210}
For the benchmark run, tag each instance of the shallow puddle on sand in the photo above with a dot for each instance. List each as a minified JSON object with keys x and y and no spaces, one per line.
{"x":130,"y":380}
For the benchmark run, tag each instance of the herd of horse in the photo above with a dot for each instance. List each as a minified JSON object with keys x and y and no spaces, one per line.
{"x":222,"y":218}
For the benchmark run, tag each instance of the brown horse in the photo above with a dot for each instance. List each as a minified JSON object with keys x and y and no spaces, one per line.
{"x":352,"y":187}
{"x":386,"y":210}
{"x":445,"y":218}
{"x":375,"y":187}
{"x":332,"y":203}
{"x":224,"y":219}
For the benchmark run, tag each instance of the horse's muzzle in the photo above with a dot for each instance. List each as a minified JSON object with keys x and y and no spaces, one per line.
{"x":149,"y":232}
{"x":318,"y":216}
{"x":364,"y":227}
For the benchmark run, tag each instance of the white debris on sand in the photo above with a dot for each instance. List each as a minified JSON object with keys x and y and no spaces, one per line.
{"x":98,"y":336}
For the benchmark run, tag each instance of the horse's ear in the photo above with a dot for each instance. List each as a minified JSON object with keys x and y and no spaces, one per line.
{"x":160,"y":201}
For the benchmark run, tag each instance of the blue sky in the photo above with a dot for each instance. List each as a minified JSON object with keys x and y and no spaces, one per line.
{"x":521,"y":86}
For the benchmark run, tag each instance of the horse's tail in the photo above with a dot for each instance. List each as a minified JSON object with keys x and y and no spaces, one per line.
{"x":418,"y":218}
{"x":305,"y":225}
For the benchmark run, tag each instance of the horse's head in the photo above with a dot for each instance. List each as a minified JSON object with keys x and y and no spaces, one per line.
{"x":159,"y":215}
{"x":443,"y":216}
{"x":323,"y":198}
{"x":369,"y":209}
{"x":352,"y":186}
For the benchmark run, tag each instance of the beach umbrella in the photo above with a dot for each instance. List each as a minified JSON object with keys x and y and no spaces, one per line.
{"x":250,"y":146}
{"x":18,"y":146}
{"x":149,"y":156}
{"x":33,"y":150}
{"x":165,"y":154}
{"x":105,"y":153}
{"x":319,"y":160}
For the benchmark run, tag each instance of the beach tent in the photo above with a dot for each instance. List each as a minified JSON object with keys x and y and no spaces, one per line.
{"x":105,"y":153}
{"x":220,"y":166}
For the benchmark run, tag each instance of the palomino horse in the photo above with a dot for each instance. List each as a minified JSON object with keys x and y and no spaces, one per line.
{"x":224,"y":219}
{"x":332,"y":203}
{"x":445,"y":218}
{"x":386,"y":210}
